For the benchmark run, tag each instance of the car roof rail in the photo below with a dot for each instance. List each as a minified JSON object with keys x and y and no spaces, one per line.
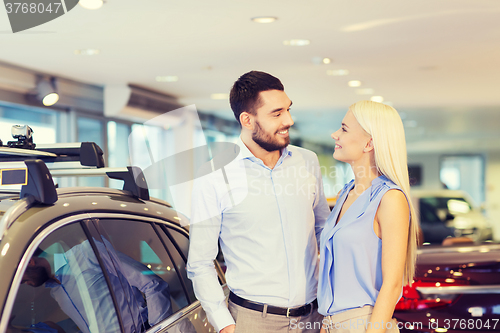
{"x":134,"y":181}
{"x":38,"y":182}
{"x":133,"y":177}
{"x":88,"y":154}
{"x":63,"y":160}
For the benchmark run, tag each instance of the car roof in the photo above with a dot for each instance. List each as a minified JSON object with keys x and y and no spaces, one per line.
{"x":443,"y":193}
{"x":26,"y":182}
{"x":86,"y":199}
{"x":439,"y":193}
{"x":459,"y":254}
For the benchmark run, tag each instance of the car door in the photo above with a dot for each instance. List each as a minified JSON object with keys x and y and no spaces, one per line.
{"x":160,"y":248}
{"x":177,"y":242}
{"x":63,"y":286}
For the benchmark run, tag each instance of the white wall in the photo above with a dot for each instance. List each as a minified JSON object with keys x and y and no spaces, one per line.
{"x":430,"y":169}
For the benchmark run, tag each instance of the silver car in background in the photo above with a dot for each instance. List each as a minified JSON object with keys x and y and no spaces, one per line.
{"x":456,"y":212}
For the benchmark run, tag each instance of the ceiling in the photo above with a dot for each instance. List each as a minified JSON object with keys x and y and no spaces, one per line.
{"x":435,"y":61}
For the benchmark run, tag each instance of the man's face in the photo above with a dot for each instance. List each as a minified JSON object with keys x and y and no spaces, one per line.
{"x":272,"y":120}
{"x":35,"y":274}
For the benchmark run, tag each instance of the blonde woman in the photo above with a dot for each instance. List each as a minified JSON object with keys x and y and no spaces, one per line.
{"x":368,"y":245}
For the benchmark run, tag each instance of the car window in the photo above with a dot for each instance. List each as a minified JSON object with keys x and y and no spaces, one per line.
{"x":428,"y":212}
{"x":444,"y":205}
{"x":64,"y":288}
{"x":178,"y":245}
{"x":146,"y":266}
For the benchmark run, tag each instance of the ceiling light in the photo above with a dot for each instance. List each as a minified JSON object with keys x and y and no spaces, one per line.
{"x":47,"y":91}
{"x":337,"y":72}
{"x":169,"y":78}
{"x":91,"y":4}
{"x":354,"y":83}
{"x":366,"y":91}
{"x":264,"y":19}
{"x":219,"y":96}
{"x":378,"y":99}
{"x":321,"y":60}
{"x":296,"y":42}
{"x":88,"y":52}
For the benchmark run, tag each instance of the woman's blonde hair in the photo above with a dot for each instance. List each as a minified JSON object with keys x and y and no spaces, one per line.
{"x":384,"y":125}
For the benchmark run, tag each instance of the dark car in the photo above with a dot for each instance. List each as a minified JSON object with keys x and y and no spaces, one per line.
{"x":456,"y":289}
{"x":84,"y":259}
{"x":434,"y":229}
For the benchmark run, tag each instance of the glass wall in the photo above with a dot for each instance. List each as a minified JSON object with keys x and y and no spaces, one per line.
{"x":466,"y":173}
{"x":118,"y":150}
{"x":91,"y":130}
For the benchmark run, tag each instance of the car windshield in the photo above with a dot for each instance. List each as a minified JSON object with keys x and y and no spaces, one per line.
{"x":452,"y":205}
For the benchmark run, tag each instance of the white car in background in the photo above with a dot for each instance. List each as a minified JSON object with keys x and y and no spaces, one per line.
{"x":457,"y":210}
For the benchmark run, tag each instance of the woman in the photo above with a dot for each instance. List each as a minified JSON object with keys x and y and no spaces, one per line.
{"x":368,"y":245}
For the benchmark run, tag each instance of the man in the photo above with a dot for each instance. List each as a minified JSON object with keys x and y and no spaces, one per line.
{"x":80,"y":288}
{"x":267,"y":208}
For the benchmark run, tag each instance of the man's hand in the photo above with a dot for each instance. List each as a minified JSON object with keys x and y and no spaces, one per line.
{"x":228,"y":329}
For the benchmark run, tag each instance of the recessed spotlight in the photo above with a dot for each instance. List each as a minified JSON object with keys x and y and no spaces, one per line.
{"x":264,"y":19}
{"x":91,"y":4}
{"x":296,"y":42}
{"x":88,"y":52}
{"x":337,"y":72}
{"x":169,"y":78}
{"x":366,"y":91}
{"x":321,"y":60}
{"x":378,"y":99}
{"x":354,"y":83}
{"x":219,"y":96}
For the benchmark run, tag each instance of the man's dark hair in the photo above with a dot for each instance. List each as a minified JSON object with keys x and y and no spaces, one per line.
{"x":244,"y":95}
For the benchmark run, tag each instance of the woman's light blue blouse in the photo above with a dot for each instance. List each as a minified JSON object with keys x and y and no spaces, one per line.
{"x":351,"y":252}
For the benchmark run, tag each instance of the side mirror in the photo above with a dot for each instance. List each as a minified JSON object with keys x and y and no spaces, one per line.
{"x":449,"y":217}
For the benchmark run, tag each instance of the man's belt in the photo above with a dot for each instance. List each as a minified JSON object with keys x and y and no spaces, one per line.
{"x":289,"y":312}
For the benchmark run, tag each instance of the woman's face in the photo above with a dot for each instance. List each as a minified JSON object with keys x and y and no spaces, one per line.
{"x":350,"y":140}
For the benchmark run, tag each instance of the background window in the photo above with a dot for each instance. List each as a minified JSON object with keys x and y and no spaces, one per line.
{"x":118,"y":154}
{"x":464,"y":173}
{"x":43,"y":123}
{"x":90,"y":130}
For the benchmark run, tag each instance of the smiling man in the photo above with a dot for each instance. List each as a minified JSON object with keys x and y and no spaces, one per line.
{"x":269,"y":237}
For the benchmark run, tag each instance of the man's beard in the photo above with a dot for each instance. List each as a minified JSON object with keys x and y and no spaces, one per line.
{"x":266,"y":141}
